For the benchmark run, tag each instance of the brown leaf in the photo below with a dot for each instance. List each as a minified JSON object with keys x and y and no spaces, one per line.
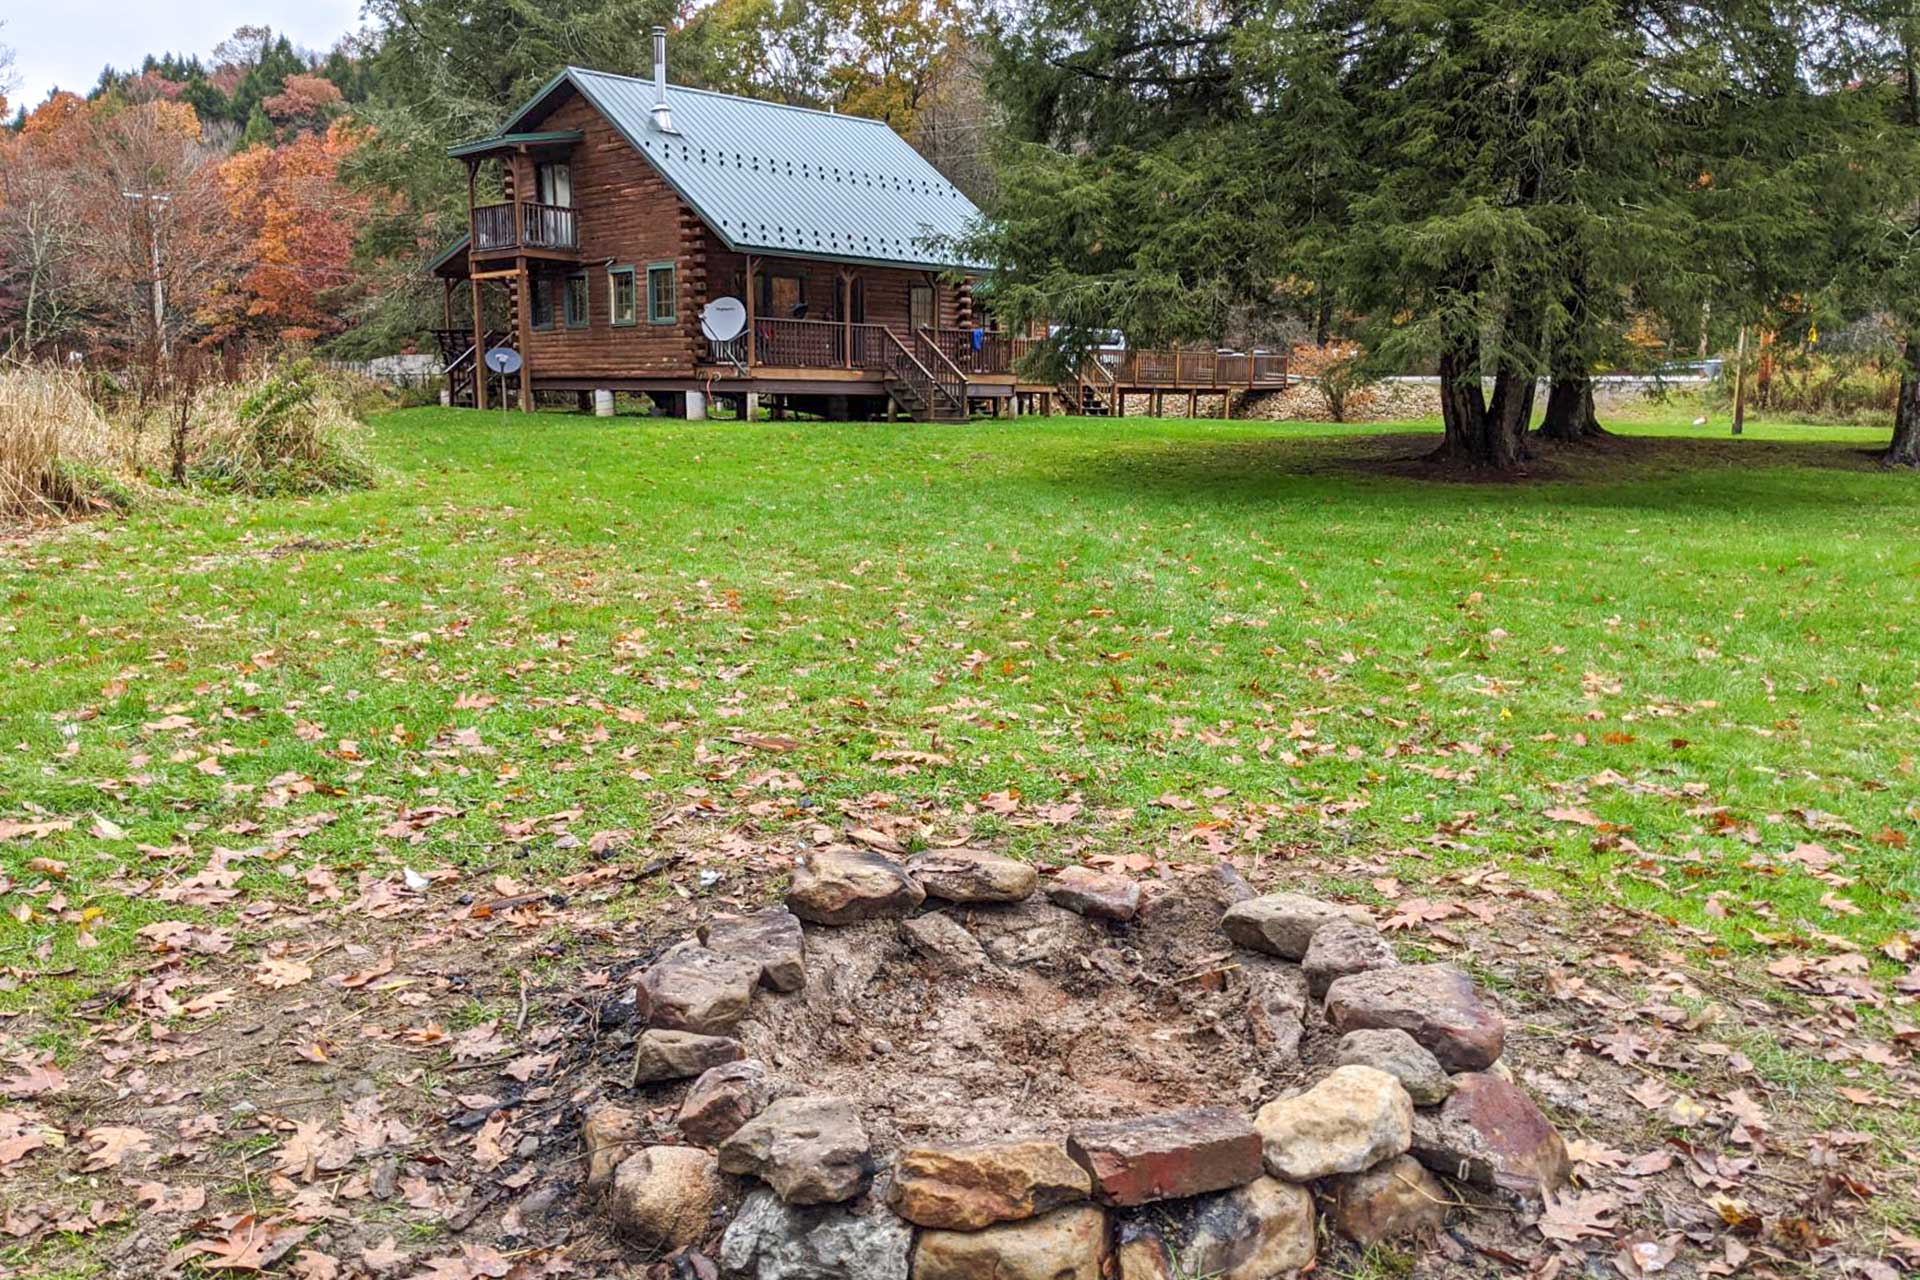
{"x":249,"y":1245}
{"x":36,"y":1075}
{"x":158,"y":1197}
{"x":1572,"y":1218}
{"x":111,"y":1143}
{"x":315,"y":1265}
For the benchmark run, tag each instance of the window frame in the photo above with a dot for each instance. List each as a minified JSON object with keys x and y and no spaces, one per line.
{"x":613,"y":296}
{"x":673,"y":276}
{"x":915,"y":292}
{"x":540,"y":297}
{"x":584,"y":319}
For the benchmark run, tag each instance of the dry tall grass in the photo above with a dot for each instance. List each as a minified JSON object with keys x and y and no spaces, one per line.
{"x":53,"y":438}
{"x":68,"y":447}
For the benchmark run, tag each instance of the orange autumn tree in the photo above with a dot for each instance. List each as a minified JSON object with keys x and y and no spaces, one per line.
{"x":300,"y":221}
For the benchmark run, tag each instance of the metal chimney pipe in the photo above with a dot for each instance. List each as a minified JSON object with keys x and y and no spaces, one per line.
{"x":662,"y":116}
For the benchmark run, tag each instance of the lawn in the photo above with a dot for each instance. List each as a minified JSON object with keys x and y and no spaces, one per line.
{"x":1633,"y":739}
{"x":1162,"y":637}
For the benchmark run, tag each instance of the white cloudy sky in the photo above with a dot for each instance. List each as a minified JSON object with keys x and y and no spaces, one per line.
{"x":65,"y":43}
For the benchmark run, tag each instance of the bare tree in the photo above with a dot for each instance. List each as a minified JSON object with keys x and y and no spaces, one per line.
{"x":40,"y":247}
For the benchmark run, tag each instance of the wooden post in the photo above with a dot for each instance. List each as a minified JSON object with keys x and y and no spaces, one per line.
{"x":473,"y":286}
{"x":525,"y":308}
{"x":479,"y":341}
{"x":753,"y":348}
{"x":846,"y":314}
{"x":1740,"y":384}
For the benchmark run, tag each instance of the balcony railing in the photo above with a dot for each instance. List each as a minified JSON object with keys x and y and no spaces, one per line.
{"x":525,"y":225}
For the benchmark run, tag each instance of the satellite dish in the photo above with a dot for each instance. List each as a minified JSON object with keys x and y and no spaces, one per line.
{"x":503,"y":360}
{"x":724,"y":319}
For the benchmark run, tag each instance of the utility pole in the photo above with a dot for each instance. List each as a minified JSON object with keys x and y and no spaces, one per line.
{"x":146,"y":200}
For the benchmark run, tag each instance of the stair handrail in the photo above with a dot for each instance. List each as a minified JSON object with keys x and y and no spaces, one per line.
{"x":952,"y":380}
{"x":904,"y":365}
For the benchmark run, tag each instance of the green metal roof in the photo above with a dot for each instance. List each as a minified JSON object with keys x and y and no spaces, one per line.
{"x":447,"y":255}
{"x":504,"y":140}
{"x":770,"y":178}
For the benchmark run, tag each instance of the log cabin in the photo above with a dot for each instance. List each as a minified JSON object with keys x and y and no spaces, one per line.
{"x":627,"y":207}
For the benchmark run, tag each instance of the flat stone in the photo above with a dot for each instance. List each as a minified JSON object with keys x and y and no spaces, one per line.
{"x":1436,"y":1004}
{"x":771,"y":938}
{"x":809,"y":1150}
{"x":610,"y":1134}
{"x":1283,"y":924}
{"x":1087,"y":892}
{"x":1277,"y":1003}
{"x":679,"y":1055}
{"x":1350,"y":1121}
{"x":726,"y":1097}
{"x":1394,"y":1199}
{"x":1343,"y":947}
{"x":1167,"y":1156}
{"x":964,"y":1187}
{"x":1034,"y":934}
{"x":666,"y":1197}
{"x":694,"y":989}
{"x":1398,"y":1054}
{"x":1067,"y":1244}
{"x":973,"y":875}
{"x":945,"y":941}
{"x":1260,"y":1231}
{"x":1192,"y":902}
{"x":772,"y":1240}
{"x":1490,"y":1134}
{"x":845,"y":885}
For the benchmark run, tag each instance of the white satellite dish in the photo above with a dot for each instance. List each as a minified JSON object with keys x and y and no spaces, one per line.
{"x":503,"y":360}
{"x":724,"y":319}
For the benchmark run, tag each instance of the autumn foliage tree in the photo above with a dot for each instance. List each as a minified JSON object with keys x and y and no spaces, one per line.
{"x":299,"y":223}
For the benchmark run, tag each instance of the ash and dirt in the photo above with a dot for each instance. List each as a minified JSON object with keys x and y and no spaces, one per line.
{"x":1064,"y":1020}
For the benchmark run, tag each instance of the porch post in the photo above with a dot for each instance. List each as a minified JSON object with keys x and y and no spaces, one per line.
{"x":479,"y":340}
{"x":753,"y":338}
{"x":846,"y":314}
{"x":473,"y":287}
{"x":446,"y":302}
{"x":524,"y":306}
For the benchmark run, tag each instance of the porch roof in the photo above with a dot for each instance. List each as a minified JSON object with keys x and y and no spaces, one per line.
{"x":514,"y":141}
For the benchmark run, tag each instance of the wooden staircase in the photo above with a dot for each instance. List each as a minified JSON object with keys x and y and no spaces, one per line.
{"x":461,"y":362}
{"x":1092,"y":392}
{"x":923,"y":381}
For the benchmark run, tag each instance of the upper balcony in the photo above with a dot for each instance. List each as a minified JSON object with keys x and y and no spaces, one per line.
{"x":526,"y":227}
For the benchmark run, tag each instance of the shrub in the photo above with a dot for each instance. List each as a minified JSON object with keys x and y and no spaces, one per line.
{"x":72,"y":442}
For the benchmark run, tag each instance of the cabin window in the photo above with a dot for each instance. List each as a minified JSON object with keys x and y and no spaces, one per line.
{"x":577,"y":304}
{"x":625,"y":293}
{"x":553,"y":184}
{"x":660,"y":294}
{"x":920,"y":307}
{"x":541,"y":302}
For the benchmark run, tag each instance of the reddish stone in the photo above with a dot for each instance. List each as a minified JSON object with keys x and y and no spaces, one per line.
{"x":1491,"y":1134}
{"x":1436,"y":1004}
{"x":1099,"y":897}
{"x":1168,"y":1156}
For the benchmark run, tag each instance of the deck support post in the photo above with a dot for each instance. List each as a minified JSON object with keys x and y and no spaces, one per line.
{"x":479,"y":347}
{"x":523,"y":305}
{"x":1193,"y":404}
{"x":752,"y":409}
{"x":696,"y":406}
{"x":603,"y":404}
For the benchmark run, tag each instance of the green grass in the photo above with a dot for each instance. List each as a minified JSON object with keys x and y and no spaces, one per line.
{"x":1110,"y":611}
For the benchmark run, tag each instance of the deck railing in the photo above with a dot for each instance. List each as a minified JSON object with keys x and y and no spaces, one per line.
{"x":525,"y":225}
{"x":952,"y":356}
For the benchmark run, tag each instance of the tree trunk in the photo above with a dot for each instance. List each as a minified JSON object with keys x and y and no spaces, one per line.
{"x":1570,"y":414}
{"x":1905,"y":449}
{"x":1477,"y":433}
{"x":1323,"y":322}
